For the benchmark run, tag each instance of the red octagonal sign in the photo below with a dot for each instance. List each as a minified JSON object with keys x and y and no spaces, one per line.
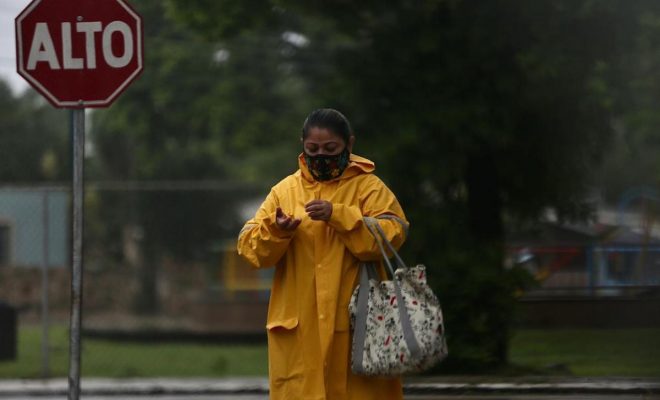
{"x":79,"y":53}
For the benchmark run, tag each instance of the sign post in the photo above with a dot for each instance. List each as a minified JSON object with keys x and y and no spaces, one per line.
{"x":77,"y":271}
{"x":78,"y":54}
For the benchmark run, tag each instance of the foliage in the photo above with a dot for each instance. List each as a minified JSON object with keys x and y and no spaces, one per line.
{"x":33,"y":139}
{"x":632,"y":162}
{"x":474,"y":111}
{"x":479,"y":114}
{"x":201,"y":110}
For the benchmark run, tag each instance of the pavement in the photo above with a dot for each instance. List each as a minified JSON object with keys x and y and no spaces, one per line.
{"x":417,"y":386}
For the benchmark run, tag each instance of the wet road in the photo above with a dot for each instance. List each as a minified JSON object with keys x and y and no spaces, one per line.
{"x":410,"y":397}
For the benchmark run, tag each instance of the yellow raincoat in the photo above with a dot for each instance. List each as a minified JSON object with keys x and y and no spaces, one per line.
{"x":316,"y":271}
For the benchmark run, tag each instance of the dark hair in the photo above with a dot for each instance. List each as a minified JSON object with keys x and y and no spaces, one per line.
{"x":329,"y":119}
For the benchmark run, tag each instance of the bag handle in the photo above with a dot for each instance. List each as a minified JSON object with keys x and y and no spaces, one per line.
{"x":380,"y":236}
{"x":389,"y":246}
{"x":370,"y":222}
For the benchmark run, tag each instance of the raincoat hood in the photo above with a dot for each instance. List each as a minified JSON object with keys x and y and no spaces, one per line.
{"x":357,"y":165}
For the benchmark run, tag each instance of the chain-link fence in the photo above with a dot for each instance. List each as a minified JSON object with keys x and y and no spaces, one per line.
{"x":160,"y":265}
{"x":159,"y":261}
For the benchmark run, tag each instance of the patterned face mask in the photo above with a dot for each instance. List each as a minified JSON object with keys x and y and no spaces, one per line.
{"x":324,"y":167}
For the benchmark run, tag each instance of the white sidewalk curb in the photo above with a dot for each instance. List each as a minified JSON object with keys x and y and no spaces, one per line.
{"x":100,"y":386}
{"x":259,"y":385}
{"x":595,"y":387}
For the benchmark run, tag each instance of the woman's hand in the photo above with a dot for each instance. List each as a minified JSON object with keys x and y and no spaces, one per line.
{"x":286,"y":222}
{"x":319,"y":210}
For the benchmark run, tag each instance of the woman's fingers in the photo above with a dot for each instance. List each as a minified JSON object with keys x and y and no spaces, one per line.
{"x":315,"y":209}
{"x":314,"y":205}
{"x":319,"y":210}
{"x":286,"y":222}
{"x":294,"y":224}
{"x":317,"y":205}
{"x":319,"y":215}
{"x":291,"y":223}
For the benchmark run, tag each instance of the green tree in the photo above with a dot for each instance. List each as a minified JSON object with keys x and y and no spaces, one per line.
{"x":202,"y":110}
{"x":477,"y":112}
{"x":496,"y":118}
{"x":632,"y":160}
{"x":34,"y":139}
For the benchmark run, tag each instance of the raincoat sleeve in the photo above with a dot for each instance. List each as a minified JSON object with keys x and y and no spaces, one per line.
{"x":378,"y":201}
{"x":261,"y":241}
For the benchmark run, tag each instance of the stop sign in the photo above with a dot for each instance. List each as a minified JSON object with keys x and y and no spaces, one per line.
{"x":79,"y":53}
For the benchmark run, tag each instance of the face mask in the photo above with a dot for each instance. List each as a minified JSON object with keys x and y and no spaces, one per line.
{"x":324,"y":167}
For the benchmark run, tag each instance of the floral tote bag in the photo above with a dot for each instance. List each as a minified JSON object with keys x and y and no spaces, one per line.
{"x":397,"y":324}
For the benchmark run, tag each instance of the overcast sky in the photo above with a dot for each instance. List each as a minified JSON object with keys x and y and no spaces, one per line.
{"x":9,"y":9}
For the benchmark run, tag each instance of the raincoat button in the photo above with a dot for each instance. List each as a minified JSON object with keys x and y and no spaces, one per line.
{"x":318,"y":265}
{"x":322,"y":316}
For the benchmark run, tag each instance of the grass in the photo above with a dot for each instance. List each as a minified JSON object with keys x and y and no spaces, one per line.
{"x":101,"y":358}
{"x":589,"y":352}
{"x":624,"y":352}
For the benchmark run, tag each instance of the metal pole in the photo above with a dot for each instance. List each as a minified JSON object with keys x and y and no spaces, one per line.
{"x":77,"y":271}
{"x":44,"y":287}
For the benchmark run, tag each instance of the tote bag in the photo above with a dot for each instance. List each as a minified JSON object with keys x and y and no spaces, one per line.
{"x":397,"y":324}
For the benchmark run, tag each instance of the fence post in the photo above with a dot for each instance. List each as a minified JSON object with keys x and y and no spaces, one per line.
{"x":44,"y":284}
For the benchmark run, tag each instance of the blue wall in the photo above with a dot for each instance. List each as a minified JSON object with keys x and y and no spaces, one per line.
{"x":22,"y":209}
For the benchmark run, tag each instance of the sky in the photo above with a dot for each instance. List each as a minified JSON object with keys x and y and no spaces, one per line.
{"x":9,"y":9}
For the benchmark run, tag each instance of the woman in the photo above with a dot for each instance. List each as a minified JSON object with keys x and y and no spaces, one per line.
{"x":310,"y":228}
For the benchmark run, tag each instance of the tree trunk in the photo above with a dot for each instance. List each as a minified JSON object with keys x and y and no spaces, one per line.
{"x":486,"y":229}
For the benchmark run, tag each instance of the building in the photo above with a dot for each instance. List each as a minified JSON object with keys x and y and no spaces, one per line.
{"x":32,"y":220}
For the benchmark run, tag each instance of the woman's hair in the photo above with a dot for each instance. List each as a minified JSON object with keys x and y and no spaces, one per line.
{"x":329,"y":119}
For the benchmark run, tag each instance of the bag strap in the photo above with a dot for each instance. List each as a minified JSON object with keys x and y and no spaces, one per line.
{"x":406,"y":325}
{"x":390,"y":247}
{"x":360,"y":331}
{"x":370,"y":223}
